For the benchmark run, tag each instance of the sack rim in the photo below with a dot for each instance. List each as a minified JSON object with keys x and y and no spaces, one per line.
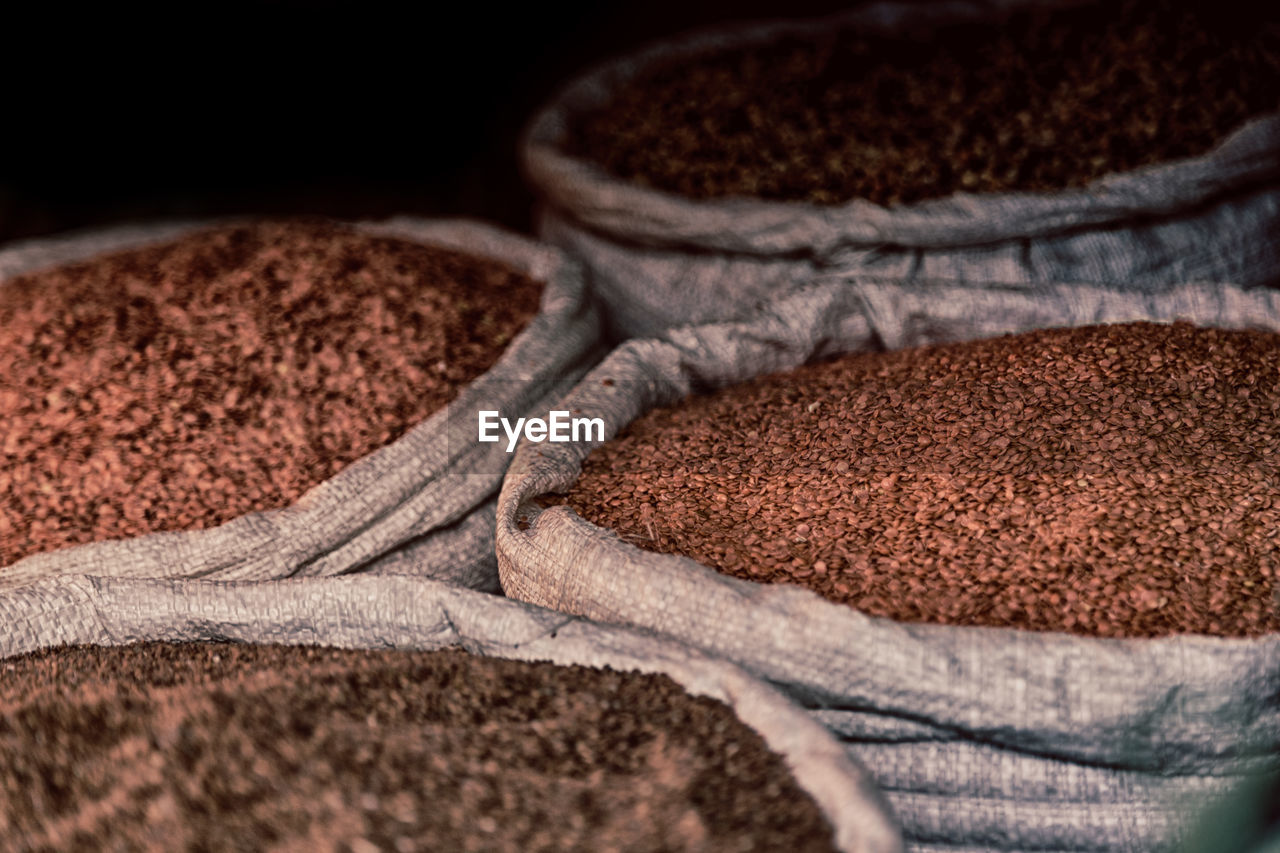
{"x":1168,"y":711}
{"x":416,"y":613}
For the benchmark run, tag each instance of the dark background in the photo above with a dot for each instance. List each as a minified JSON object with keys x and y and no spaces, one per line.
{"x":348,"y":109}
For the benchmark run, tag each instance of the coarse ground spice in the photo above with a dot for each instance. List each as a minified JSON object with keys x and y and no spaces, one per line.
{"x":180,"y":386}
{"x":227,"y":747}
{"x":1116,"y":481}
{"x":1044,"y":102}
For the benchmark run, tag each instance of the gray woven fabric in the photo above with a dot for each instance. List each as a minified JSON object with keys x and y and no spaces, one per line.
{"x":429,"y":492}
{"x":981,"y":738}
{"x":658,"y":259}
{"x":415,"y":613}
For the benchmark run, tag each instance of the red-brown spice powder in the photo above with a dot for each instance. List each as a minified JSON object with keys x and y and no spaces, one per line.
{"x":182,"y":385}
{"x":164,"y":746}
{"x":1042,"y":102}
{"x":1117,"y":481}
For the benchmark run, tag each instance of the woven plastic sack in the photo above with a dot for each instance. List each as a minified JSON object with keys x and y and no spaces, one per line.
{"x":981,"y":738}
{"x":414,"y":613}
{"x":658,"y":259}
{"x":425,"y":500}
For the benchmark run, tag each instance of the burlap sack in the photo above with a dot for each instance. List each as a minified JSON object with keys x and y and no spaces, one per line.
{"x":982,"y":739}
{"x":426,"y":500}
{"x":658,"y":259}
{"x":414,"y":613}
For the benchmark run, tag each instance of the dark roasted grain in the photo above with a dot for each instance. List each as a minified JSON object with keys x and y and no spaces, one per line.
{"x":1043,"y":103}
{"x":229,"y":747}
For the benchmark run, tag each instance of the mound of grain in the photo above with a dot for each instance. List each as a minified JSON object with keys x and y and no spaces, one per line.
{"x":1043,"y":102}
{"x":227,"y":747}
{"x":1114,"y":481}
{"x":182,"y":385}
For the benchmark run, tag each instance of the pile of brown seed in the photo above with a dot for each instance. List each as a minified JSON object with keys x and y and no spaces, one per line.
{"x":182,"y":385}
{"x":1044,"y":102}
{"x":224,"y":747}
{"x":1110,"y":480}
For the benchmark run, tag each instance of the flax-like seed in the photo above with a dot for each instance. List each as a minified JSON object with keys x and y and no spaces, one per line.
{"x":226,"y":747}
{"x":1116,"y":481}
{"x":1043,"y":102}
{"x":182,"y":385}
